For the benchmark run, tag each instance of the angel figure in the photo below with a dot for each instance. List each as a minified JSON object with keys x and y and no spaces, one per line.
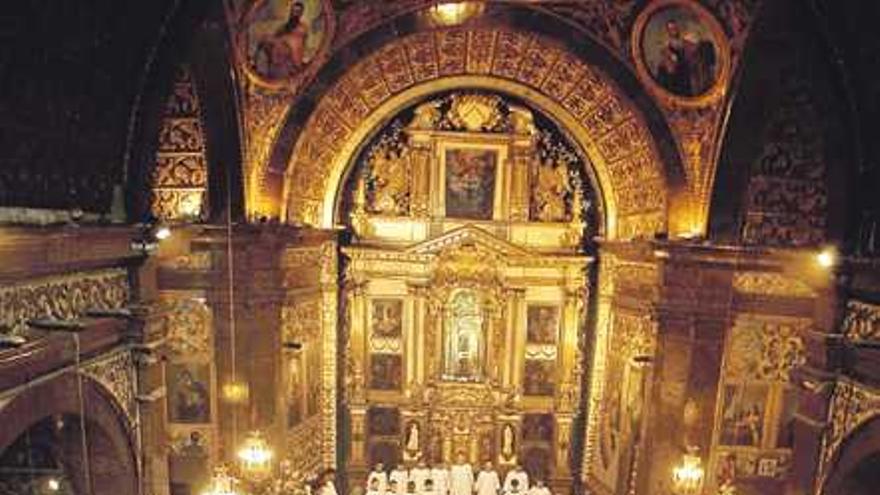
{"x":390,"y":181}
{"x":549,"y":193}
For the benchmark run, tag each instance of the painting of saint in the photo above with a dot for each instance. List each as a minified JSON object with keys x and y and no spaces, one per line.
{"x":189,"y":398}
{"x":543,"y":324}
{"x":470,"y":183}
{"x":537,"y":428}
{"x":387,"y":318}
{"x":383,"y":421}
{"x":679,"y":50}
{"x":742,"y":422}
{"x":386,"y":372}
{"x":539,"y":377}
{"x":282,"y":36}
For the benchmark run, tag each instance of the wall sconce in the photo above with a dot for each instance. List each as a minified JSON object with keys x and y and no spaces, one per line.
{"x":149,"y":236}
{"x":687,"y":478}
{"x":827,"y":258}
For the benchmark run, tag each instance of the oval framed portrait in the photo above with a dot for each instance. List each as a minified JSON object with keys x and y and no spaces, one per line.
{"x":681,"y":52}
{"x":279,"y":41}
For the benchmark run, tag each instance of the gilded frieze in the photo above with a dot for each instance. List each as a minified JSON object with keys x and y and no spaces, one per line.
{"x":63,"y":297}
{"x":301,"y":321}
{"x":188,"y":321}
{"x":770,"y":284}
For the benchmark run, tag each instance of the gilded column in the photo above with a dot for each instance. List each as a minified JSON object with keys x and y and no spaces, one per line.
{"x":517,"y":364}
{"x":417,"y":294}
{"x":330,"y":296}
{"x":523,"y":156}
{"x":420,"y":188}
{"x":356,"y":386}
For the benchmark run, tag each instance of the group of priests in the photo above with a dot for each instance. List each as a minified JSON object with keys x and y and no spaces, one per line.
{"x":459,"y":479}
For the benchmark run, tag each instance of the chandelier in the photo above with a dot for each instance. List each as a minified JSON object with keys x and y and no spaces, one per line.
{"x":222,"y":483}
{"x":687,"y":478}
{"x":255,"y":456}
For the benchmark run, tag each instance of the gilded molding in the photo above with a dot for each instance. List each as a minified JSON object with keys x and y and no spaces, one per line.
{"x":862,"y":321}
{"x":116,"y":373}
{"x":63,"y":297}
{"x":770,"y":284}
{"x":851,"y":406}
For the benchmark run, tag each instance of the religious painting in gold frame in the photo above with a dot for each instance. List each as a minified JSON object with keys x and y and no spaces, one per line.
{"x":386,"y":372}
{"x":386,"y":318}
{"x":744,"y":409}
{"x":281,"y":42}
{"x":189,"y":392}
{"x":681,"y":52}
{"x":542,"y":324}
{"x":470,"y":183}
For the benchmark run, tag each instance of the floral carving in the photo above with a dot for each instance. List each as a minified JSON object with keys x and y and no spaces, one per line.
{"x":66,"y":297}
{"x":851,"y":406}
{"x":189,"y":325}
{"x":862,"y":321}
{"x":116,"y":373}
{"x":765,"y":350}
{"x":180,"y":176}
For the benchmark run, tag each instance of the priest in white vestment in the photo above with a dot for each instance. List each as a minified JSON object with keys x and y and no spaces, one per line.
{"x":517,"y":473}
{"x":419,"y":475}
{"x":399,"y":477}
{"x":488,"y":482}
{"x":539,"y":489}
{"x":440,"y":477}
{"x":461,"y":477}
{"x":380,"y":476}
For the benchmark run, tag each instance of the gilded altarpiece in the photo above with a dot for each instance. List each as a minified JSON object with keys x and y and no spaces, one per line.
{"x":307,"y":377}
{"x":465,"y":286}
{"x":191,"y":385}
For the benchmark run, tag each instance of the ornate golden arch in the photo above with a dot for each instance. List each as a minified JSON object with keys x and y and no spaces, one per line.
{"x":585,"y":102}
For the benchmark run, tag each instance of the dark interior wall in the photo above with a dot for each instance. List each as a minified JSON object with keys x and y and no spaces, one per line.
{"x":789,"y":154}
{"x":83,"y":85}
{"x":70,"y":73}
{"x":855,"y":43}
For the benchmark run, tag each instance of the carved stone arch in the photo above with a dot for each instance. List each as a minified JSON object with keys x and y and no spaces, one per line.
{"x":614,"y":122}
{"x":860,"y":447}
{"x":113,"y":445}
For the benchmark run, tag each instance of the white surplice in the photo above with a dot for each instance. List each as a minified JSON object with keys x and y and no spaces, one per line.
{"x":382,"y":476}
{"x":418,"y":475}
{"x":461,"y":479}
{"x":519,"y":475}
{"x":401,"y":477}
{"x":440,"y":477}
{"x":488,"y":483}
